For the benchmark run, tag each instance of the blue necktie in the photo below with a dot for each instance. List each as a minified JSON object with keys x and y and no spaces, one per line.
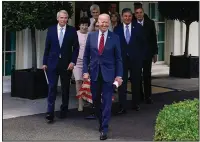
{"x":61,"y":37}
{"x":127,"y":34}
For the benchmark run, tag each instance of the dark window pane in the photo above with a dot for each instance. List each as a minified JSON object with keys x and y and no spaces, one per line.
{"x":161,"y":51}
{"x":161,"y":31}
{"x":3,"y":64}
{"x":10,"y":41}
{"x":152,"y":11}
{"x":10,"y":60}
{"x":161,"y":18}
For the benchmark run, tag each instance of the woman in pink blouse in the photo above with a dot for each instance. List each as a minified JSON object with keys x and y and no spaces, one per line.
{"x":77,"y":71}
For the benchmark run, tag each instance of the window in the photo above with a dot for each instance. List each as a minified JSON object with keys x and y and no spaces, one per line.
{"x":160,"y":28}
{"x":9,"y":52}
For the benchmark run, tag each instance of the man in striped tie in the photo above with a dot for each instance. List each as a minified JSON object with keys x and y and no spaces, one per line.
{"x":103,"y":53}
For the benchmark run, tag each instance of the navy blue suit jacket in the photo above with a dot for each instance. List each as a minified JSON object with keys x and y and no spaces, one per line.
{"x":69,"y":50}
{"x":110,"y":61}
{"x":136,"y":47}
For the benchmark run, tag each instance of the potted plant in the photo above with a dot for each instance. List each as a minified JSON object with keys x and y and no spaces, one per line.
{"x":34,"y":15}
{"x":185,"y":66}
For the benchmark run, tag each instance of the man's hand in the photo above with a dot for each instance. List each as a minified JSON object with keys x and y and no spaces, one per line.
{"x":85,"y":76}
{"x":119,"y":80}
{"x":71,"y":66}
{"x":155,"y":58}
{"x":44,"y":67}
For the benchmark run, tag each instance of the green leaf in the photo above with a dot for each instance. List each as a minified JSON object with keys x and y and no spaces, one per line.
{"x":178,"y":122}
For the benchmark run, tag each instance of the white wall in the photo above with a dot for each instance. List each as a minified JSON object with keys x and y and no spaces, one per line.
{"x":179,"y":38}
{"x":193,"y":48}
{"x":169,"y":40}
{"x":123,"y":5}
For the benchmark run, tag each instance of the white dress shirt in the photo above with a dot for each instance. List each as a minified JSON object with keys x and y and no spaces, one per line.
{"x":129,"y":27}
{"x":59,"y":30}
{"x":141,"y":22}
{"x":105,"y":37}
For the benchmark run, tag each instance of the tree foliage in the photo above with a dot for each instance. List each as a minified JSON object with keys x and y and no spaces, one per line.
{"x":19,"y":15}
{"x":32,"y":14}
{"x":184,"y":11}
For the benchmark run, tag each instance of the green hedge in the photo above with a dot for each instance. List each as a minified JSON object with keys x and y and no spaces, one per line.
{"x":178,"y":122}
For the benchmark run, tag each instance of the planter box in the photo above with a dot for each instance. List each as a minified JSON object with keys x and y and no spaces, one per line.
{"x":28,"y":84}
{"x":184,"y":67}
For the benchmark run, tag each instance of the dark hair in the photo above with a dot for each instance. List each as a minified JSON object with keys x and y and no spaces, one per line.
{"x":138,"y":5}
{"x":116,"y":14}
{"x":126,"y":10}
{"x":84,"y":20}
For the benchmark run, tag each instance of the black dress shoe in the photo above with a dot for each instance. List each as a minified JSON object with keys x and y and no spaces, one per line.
{"x":91,"y":116}
{"x":50,"y":117}
{"x":121,"y":111}
{"x":73,"y":81}
{"x":63,"y":114}
{"x":103,"y":136}
{"x":149,"y":101}
{"x":136,"y":107}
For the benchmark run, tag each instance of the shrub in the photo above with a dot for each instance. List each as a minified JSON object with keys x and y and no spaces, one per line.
{"x":178,"y":122}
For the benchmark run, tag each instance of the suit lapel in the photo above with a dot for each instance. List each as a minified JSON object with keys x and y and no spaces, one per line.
{"x":107,"y":40}
{"x":122,"y":32}
{"x":56,"y":31}
{"x":96,"y":39}
{"x":133,"y":32}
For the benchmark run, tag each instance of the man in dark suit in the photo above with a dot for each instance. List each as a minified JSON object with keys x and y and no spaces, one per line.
{"x":103,"y":53}
{"x":133,"y":48}
{"x":60,"y":55}
{"x":152,"y":51}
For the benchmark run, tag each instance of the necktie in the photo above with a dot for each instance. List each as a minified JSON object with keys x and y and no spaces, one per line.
{"x":61,"y":37}
{"x":127,"y":34}
{"x":101,"y":44}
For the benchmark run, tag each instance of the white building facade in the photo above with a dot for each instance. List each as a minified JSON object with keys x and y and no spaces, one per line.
{"x":170,"y":36}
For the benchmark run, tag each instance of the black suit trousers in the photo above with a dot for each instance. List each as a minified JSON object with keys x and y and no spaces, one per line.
{"x":146,"y":90}
{"x":135,"y":72}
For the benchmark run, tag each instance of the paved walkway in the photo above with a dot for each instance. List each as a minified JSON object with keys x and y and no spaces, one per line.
{"x":134,"y":126}
{"x":15,"y":107}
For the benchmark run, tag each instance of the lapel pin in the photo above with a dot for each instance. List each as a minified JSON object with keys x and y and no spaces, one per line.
{"x":108,"y":37}
{"x":133,"y":26}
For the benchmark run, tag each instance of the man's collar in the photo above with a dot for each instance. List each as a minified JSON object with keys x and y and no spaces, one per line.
{"x":129,"y":25}
{"x":141,"y":21}
{"x":106,"y":32}
{"x":59,"y":27}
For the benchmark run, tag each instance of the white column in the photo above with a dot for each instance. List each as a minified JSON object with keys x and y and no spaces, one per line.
{"x":193,"y":38}
{"x":40,"y":46}
{"x":19,"y":50}
{"x":27,"y":46}
{"x":169,"y":40}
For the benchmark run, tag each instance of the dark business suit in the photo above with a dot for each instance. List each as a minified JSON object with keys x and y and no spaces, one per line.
{"x":58,"y":66}
{"x":132,"y":56}
{"x":103,"y":70}
{"x":152,"y":49}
